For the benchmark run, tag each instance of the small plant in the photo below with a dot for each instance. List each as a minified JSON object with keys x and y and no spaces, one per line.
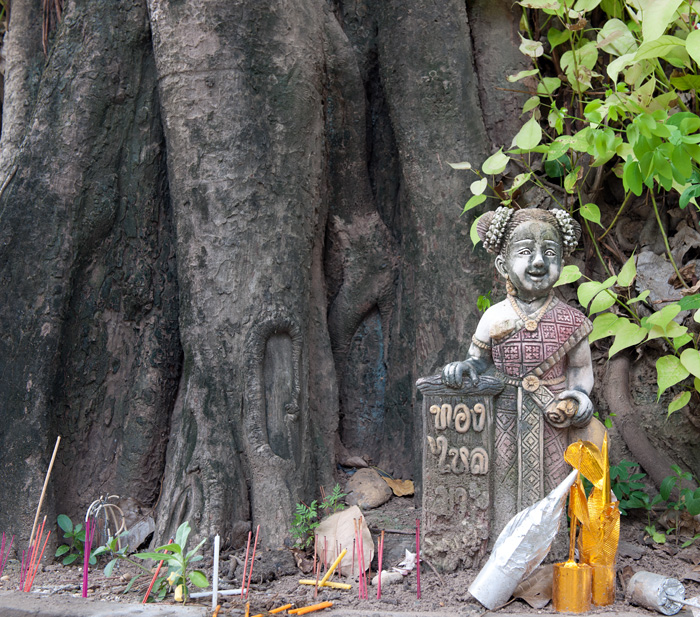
{"x":483,"y":302}
{"x":179,"y":561}
{"x":625,"y":483}
{"x":75,"y":534}
{"x":307,"y":518}
{"x":658,"y":536}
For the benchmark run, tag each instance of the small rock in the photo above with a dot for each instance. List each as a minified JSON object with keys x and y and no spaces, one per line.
{"x":628,"y":549}
{"x":367,"y":490}
{"x":388,"y":578}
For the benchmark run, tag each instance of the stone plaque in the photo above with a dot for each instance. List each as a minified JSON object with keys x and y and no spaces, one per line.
{"x":458,"y":438}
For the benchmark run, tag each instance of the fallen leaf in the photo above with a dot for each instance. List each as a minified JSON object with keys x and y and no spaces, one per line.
{"x":692,"y":575}
{"x":536,"y":589}
{"x":338,"y":532}
{"x":401,"y":488}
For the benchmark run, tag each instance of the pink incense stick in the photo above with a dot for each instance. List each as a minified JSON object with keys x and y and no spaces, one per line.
{"x":359,"y":566}
{"x":34,"y":551}
{"x":252,"y":562}
{"x":33,"y":569}
{"x":89,"y":534}
{"x":418,"y":558}
{"x":23,"y":568}
{"x":3,"y":563}
{"x":381,"y":554}
{"x":245,"y":564}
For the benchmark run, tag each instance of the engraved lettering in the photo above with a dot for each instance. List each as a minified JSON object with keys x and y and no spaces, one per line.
{"x":479,"y":421}
{"x":442,"y":445}
{"x":464,"y":455}
{"x":432,"y":444}
{"x":462,"y":418}
{"x":454,"y":453}
{"x":479,"y":461}
{"x":435,"y":410}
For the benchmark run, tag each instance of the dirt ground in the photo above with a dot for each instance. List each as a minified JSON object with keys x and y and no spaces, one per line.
{"x":275,"y":576}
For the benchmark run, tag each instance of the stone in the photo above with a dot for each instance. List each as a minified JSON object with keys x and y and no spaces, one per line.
{"x":366,"y":489}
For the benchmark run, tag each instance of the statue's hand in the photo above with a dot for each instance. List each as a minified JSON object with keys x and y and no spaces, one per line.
{"x":584,"y":413}
{"x":453,"y":374}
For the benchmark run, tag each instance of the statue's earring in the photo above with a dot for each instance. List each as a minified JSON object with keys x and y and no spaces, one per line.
{"x":510,"y":290}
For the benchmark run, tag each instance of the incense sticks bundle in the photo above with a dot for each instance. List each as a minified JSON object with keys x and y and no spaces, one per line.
{"x":252,"y":562}
{"x":245,"y":563}
{"x":35,"y":558}
{"x":89,"y":535}
{"x":3,"y":554}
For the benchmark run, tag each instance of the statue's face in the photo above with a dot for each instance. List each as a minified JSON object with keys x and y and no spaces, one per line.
{"x":533,"y":259}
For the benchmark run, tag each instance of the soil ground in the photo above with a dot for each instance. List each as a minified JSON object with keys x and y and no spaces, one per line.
{"x":275,"y":577}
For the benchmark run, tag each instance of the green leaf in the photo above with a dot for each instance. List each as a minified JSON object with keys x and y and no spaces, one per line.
{"x":181,"y":535}
{"x":65,"y":523}
{"x":557,"y":37}
{"x":569,"y":274}
{"x":603,"y":326}
{"x":585,"y":6}
{"x":627,"y":335}
{"x":680,"y":341}
{"x":690,"y":359}
{"x":473,"y":202}
{"x":663,"y":317}
{"x":191,"y":554}
{"x":479,"y":186}
{"x":548,"y":86}
{"x":669,"y":372}
{"x":686,"y":82}
{"x":615,"y":38}
{"x":62,"y":550}
{"x":667,"y":485}
{"x":531,"y":103}
{"x":632,"y":177}
{"x":519,"y":180}
{"x":495,"y":164}
{"x":552,"y":5}
{"x":656,"y":17}
{"x":69,"y":559}
{"x":462,"y":165}
{"x":640,"y":298}
{"x":522,"y":75}
{"x":198,"y":578}
{"x":591,"y":212}
{"x":110,"y":567}
{"x":588,"y":290}
{"x":571,"y":179}
{"x":627,"y":273}
{"x":661,"y":47}
{"x":689,"y":303}
{"x":131,"y":582}
{"x":678,"y":402}
{"x":603,"y":301}
{"x":529,"y":135}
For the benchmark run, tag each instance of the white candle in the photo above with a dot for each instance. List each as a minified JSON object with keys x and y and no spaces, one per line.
{"x":215,"y":575}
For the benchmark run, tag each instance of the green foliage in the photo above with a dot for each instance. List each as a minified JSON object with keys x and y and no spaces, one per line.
{"x":179,"y":560}
{"x":307,"y":518}
{"x":483,"y":302}
{"x":622,"y":102}
{"x":629,"y":490}
{"x":75,"y":534}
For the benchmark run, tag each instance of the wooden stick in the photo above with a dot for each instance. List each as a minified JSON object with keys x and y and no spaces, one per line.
{"x":43,"y":490}
{"x":252,"y":562}
{"x":317,"y":572}
{"x":245,"y":565}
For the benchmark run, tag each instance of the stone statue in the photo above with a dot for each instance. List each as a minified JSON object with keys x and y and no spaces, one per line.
{"x":537,"y":346}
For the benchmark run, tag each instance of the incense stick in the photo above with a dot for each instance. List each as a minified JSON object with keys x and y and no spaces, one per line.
{"x":155,"y":576}
{"x":252,"y":562}
{"x":418,"y":558}
{"x":245,"y":565}
{"x":89,"y":535}
{"x":43,"y":490}
{"x":381,"y":554}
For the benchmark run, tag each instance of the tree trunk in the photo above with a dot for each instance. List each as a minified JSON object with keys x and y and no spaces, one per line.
{"x":278,"y":284}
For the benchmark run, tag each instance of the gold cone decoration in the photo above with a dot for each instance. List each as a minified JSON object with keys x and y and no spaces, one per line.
{"x":598,"y":541}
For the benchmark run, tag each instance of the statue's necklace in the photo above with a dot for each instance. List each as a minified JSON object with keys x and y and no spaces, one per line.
{"x":531,"y":321}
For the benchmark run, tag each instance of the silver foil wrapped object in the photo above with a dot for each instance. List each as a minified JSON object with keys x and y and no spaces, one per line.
{"x":521,"y":547}
{"x":656,"y":592}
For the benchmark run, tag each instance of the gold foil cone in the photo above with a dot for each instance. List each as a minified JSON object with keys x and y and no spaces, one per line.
{"x":598,"y":543}
{"x":587,"y":458}
{"x":571,"y":587}
{"x":603,"y":585}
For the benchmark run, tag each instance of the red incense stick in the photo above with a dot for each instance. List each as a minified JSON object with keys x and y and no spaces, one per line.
{"x":245,"y":564}
{"x":89,"y":535}
{"x":381,"y":554}
{"x":252,"y":562}
{"x":153,"y":580}
{"x":418,"y":557}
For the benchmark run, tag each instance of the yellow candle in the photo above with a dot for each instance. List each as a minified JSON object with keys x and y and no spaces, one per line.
{"x":331,"y":584}
{"x":332,"y":568}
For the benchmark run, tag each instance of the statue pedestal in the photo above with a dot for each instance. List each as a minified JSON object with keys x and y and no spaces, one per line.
{"x":458,"y":436}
